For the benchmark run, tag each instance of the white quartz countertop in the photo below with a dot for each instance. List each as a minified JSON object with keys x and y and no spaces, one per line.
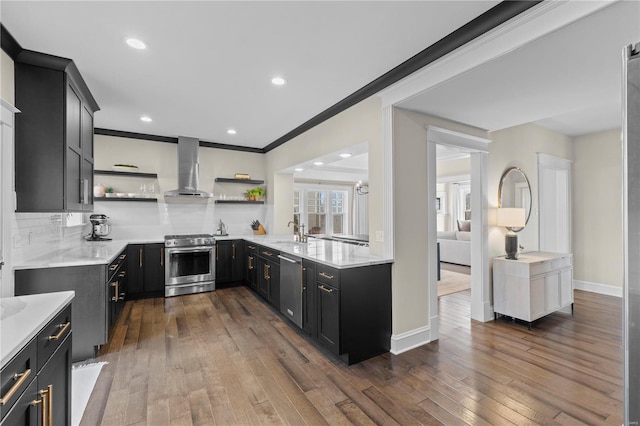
{"x":22,"y":317}
{"x":333,"y":253}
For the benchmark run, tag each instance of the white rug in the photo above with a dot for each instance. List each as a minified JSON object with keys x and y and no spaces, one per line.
{"x":83,"y":379}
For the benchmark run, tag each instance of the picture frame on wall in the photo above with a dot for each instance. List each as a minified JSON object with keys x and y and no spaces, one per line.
{"x":441,"y":202}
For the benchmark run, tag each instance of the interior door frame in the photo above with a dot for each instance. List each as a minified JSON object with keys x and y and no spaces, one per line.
{"x":481,"y":308}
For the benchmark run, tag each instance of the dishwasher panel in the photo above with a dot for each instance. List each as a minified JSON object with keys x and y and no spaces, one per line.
{"x":291,"y":288}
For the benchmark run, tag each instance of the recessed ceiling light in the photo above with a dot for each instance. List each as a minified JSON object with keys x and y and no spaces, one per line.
{"x":136,"y":43}
{"x":298,"y":169}
{"x":146,"y":119}
{"x":318,"y":163}
{"x":231,"y":131}
{"x":345,"y":155}
{"x":278,"y":81}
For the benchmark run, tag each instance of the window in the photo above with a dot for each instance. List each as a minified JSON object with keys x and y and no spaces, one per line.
{"x":324,"y":210}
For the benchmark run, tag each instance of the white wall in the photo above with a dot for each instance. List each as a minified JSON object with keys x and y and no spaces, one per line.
{"x":151,"y":220}
{"x":457,"y":167}
{"x":597,"y":208}
{"x":518,"y":146}
{"x":358,"y":124}
{"x":6,"y":78}
{"x":410,"y":289}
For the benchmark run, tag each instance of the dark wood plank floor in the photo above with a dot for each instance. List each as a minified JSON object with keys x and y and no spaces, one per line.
{"x":227,"y":358}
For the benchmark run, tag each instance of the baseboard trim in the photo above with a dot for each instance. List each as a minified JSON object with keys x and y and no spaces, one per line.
{"x":606,"y":289}
{"x":408,"y":340}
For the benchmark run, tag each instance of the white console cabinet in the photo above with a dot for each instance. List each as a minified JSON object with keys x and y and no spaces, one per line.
{"x":534,"y":285}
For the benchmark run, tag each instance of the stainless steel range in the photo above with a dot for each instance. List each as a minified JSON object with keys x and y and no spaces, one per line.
{"x":190,"y":264}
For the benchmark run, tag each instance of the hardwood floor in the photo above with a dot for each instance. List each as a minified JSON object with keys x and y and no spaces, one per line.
{"x":227,"y":358}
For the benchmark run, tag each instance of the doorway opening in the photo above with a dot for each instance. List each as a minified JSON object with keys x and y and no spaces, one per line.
{"x":477,"y":151}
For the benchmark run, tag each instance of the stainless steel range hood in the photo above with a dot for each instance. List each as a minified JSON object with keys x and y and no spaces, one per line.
{"x":188,"y":168}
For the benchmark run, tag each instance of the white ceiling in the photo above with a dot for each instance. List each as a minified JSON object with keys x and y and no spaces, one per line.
{"x":569,"y":81}
{"x":209,"y":64}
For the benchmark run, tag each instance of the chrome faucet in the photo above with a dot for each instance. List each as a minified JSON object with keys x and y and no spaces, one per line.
{"x":301,"y":235}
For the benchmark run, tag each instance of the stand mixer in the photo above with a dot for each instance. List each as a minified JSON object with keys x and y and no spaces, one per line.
{"x":99,"y":228}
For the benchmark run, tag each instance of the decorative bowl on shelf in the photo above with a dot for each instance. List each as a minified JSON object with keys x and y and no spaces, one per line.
{"x":124,"y":168}
{"x":110,"y":195}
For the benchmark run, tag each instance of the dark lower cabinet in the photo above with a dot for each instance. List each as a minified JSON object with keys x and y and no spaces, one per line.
{"x":145,"y":270}
{"x":47,"y":397}
{"x":269,"y":276}
{"x":309,"y":290}
{"x":251,"y":263}
{"x":55,"y":380}
{"x":328,"y":310}
{"x":154,"y":269}
{"x":229,"y":262}
{"x":223,"y":262}
{"x":90,"y":305}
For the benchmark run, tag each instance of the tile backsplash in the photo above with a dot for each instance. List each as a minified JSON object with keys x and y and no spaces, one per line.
{"x":35,"y":234}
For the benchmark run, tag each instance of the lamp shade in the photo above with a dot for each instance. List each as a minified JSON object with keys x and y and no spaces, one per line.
{"x":511,"y":217}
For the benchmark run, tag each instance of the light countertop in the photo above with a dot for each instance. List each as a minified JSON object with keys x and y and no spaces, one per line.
{"x":535,"y":256}
{"x":333,"y":253}
{"x":22,"y":317}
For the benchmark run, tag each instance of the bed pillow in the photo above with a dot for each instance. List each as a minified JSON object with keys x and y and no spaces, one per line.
{"x":464,"y":225}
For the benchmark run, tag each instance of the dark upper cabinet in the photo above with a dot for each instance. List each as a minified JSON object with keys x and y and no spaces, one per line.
{"x":54,"y":135}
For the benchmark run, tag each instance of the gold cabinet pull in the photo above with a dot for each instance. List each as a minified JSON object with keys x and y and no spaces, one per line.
{"x":140,"y":257}
{"x":267,"y":253}
{"x":251,"y":247}
{"x":302,"y":287}
{"x":322,"y":274}
{"x":250,"y":262}
{"x":233,"y":251}
{"x":20,"y":379}
{"x":162,"y":256}
{"x":268,"y":277}
{"x":116,"y":291}
{"x":328,"y":290}
{"x":113,"y":267}
{"x":122,"y":256}
{"x":63,"y":329}
{"x":49,"y":392}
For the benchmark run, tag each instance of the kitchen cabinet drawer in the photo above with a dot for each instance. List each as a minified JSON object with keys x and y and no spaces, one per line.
{"x":53,"y":334}
{"x":23,"y":412}
{"x":268,"y":253}
{"x":116,"y":265}
{"x":16,"y":376}
{"x":55,"y":380}
{"x":328,"y":275}
{"x":540,"y":267}
{"x":560,"y":263}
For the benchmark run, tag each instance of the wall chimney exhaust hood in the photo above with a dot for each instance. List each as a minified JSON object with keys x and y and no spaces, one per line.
{"x":188,"y":170}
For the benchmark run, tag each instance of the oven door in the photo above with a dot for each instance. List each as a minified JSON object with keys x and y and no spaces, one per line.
{"x":185,"y":265}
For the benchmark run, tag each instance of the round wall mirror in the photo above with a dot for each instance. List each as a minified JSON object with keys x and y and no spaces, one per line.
{"x":515,"y":192}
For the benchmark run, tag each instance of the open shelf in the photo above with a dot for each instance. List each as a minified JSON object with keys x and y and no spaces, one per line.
{"x":146,"y":200}
{"x":131,"y":174}
{"x":246,"y":181}
{"x":238,"y":202}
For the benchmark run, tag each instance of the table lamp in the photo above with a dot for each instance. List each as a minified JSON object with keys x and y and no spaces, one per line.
{"x":511,"y":218}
